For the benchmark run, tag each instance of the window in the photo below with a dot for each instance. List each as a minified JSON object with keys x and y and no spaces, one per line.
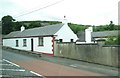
{"x":60,"y":40}
{"x":17,"y":43}
{"x":71,"y":40}
{"x":24,"y":42}
{"x":40,"y":41}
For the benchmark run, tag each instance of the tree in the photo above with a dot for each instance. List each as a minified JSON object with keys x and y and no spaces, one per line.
{"x":17,"y":26}
{"x":34,"y":24}
{"x":111,"y":25}
{"x":7,"y":24}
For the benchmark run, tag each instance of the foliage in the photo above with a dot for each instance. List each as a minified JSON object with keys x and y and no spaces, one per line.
{"x":105,"y":28}
{"x":113,"y":40}
{"x":7,"y":24}
{"x":16,"y":26}
{"x":53,"y":22}
{"x":76,"y":28}
{"x":109,"y":27}
{"x":117,"y":41}
{"x":34,"y":24}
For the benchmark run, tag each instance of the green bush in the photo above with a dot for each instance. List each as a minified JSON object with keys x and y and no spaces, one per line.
{"x":113,"y":40}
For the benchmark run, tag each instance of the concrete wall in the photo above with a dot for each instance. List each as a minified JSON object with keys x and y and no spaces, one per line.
{"x":88,"y":52}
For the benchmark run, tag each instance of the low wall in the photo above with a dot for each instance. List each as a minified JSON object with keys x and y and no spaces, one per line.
{"x":105,"y":55}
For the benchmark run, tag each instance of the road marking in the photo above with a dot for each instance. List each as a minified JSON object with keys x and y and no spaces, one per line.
{"x":1,"y":76}
{"x":19,"y":70}
{"x":73,"y":65}
{"x":6,"y":64}
{"x":13,"y":70}
{"x":11,"y":63}
{"x":35,"y":73}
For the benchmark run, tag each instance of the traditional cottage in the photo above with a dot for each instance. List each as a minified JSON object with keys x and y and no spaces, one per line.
{"x":40,"y":39}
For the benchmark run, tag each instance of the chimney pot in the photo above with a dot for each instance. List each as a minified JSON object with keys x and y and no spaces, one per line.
{"x":22,"y":28}
{"x":65,"y":21}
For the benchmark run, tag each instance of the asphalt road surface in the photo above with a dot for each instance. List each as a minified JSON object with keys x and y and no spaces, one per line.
{"x":11,"y":70}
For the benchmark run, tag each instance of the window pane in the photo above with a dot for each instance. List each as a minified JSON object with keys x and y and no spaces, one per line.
{"x":71,"y":40}
{"x":40,"y":41}
{"x":60,"y":40}
{"x":24,"y":42}
{"x":16,"y":43}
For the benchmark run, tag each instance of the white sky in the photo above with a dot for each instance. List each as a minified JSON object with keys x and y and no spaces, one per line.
{"x":86,"y":12}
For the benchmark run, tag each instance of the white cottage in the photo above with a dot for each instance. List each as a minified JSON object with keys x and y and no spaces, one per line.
{"x":40,"y":39}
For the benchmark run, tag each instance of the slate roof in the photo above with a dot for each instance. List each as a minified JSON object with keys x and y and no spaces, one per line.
{"x":39,"y":31}
{"x":81,"y":36}
{"x":0,"y":23}
{"x":105,"y":33}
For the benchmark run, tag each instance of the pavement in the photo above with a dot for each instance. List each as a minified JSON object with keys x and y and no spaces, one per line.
{"x":85,"y":68}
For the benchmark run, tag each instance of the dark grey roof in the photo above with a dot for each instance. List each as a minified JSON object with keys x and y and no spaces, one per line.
{"x":39,"y":31}
{"x":0,"y":24}
{"x":81,"y":36}
{"x":12,"y":34}
{"x":105,"y":33}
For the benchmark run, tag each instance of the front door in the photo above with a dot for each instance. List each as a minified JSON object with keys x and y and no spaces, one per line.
{"x":31,"y":44}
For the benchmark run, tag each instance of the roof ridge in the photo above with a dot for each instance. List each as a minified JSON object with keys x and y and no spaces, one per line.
{"x":46,"y":30}
{"x":106,"y":31}
{"x":41,"y":27}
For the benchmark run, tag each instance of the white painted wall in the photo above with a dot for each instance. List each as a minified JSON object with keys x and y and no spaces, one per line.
{"x":88,"y":34}
{"x":12,"y":43}
{"x":66,"y":34}
{"x":47,"y":46}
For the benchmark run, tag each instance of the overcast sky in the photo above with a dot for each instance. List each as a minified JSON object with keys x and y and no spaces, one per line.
{"x":86,"y":12}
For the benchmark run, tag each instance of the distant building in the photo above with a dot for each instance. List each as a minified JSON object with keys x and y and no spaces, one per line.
{"x":88,"y":36}
{"x":104,"y":34}
{"x":40,"y":39}
{"x":85,"y":36}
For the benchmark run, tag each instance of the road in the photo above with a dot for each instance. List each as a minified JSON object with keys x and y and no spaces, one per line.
{"x":53,"y":66}
{"x":11,"y":70}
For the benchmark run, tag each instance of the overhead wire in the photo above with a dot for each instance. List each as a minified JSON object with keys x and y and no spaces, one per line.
{"x":40,"y":8}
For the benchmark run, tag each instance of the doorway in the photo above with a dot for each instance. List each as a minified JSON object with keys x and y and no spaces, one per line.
{"x":32,"y":44}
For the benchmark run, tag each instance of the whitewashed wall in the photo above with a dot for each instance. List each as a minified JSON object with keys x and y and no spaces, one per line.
{"x":88,"y":37}
{"x":47,"y":46}
{"x":12,"y":43}
{"x":66,"y":34}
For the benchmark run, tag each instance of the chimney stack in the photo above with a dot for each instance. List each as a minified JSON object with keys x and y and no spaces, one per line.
{"x":22,"y":28}
{"x":88,"y":36}
{"x":65,"y":21}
